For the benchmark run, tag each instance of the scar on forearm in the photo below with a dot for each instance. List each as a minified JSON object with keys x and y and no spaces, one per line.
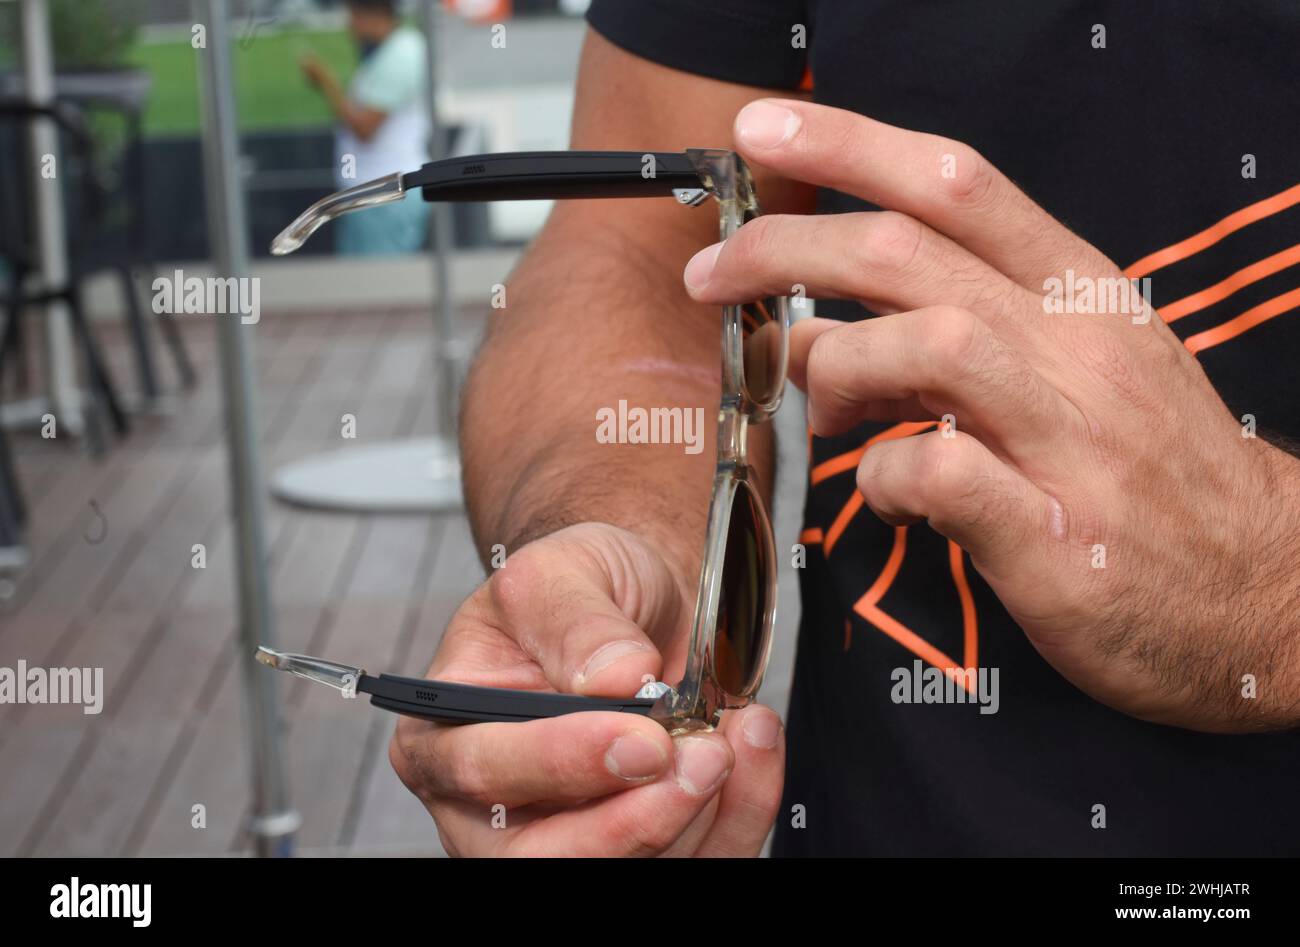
{"x":670,"y":368}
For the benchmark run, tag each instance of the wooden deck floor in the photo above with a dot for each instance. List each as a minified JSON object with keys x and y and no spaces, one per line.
{"x":365,"y":589}
{"x":370,"y":589}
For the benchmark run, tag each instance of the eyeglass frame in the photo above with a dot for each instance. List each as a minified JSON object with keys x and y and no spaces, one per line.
{"x":691,"y":176}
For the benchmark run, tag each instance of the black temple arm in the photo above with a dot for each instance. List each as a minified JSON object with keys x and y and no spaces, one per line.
{"x":464,"y":703}
{"x":533,"y":175}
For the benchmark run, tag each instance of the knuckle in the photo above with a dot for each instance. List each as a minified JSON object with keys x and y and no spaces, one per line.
{"x":448,"y":838}
{"x":938,"y":464}
{"x":951,"y":337}
{"x":831,"y":365}
{"x":892,"y":241}
{"x":413,"y":757}
{"x":825,"y":356}
{"x":400,"y":760}
{"x":820,"y":354}
{"x":875,"y":469}
{"x":760,"y":806}
{"x":467,"y":778}
{"x":971,"y":183}
{"x":754,"y":245}
{"x":947,"y":473}
{"x":512,"y":588}
{"x":639,"y":831}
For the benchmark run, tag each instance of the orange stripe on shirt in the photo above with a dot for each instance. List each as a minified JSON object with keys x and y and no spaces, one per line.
{"x":1225,"y":288}
{"x":1213,"y":234}
{"x":849,"y":460}
{"x":969,"y":623}
{"x":868,"y":609}
{"x":842,"y":521}
{"x":1246,"y":321}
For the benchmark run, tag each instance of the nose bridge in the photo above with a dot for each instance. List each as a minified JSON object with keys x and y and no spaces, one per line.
{"x":733,"y":434}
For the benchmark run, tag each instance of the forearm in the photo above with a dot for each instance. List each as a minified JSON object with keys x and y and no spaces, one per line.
{"x":359,"y":119}
{"x":597,"y":313}
{"x":595,"y":316}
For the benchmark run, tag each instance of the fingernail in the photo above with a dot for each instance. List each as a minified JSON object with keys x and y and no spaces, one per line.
{"x":701,"y":765}
{"x":761,"y":728}
{"x":607,"y":655}
{"x":764,"y":125}
{"x":700,"y":268}
{"x":635,"y":756}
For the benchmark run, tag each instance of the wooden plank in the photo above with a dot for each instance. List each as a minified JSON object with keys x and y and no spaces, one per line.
{"x":115,"y":651}
{"x":87,"y":570}
{"x":173,"y":733}
{"x":312,"y":546}
{"x":99,"y":764}
{"x":208,"y":765}
{"x":27,"y":787}
{"x":389,"y":817}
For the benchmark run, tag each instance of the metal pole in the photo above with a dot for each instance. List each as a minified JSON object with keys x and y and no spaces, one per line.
{"x":38,"y":73}
{"x":273,"y":821}
{"x":418,"y":474}
{"x":447,"y":360}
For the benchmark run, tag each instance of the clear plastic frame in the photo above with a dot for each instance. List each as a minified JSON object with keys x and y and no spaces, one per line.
{"x":735,"y":608}
{"x":753,"y":331}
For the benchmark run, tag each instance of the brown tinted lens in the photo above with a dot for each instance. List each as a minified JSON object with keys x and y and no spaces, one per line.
{"x":762,"y":338}
{"x":742,"y":605}
{"x":762,"y":345}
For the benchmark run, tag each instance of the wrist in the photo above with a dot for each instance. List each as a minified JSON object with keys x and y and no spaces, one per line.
{"x":1268,"y":602}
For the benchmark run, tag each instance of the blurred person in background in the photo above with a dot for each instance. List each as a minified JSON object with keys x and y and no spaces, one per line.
{"x":383,"y":124}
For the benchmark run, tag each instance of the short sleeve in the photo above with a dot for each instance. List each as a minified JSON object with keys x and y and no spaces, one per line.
{"x":393,"y":77}
{"x":750,"y":42}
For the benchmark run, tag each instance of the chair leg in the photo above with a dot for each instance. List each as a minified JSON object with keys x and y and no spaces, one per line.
{"x":11,"y":344}
{"x":11,"y":336}
{"x":175,"y":342}
{"x":100,"y":379}
{"x":13,"y":511}
{"x":140,"y":340}
{"x":180,"y":355}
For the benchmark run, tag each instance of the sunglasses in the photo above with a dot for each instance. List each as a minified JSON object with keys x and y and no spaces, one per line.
{"x":735,"y":610}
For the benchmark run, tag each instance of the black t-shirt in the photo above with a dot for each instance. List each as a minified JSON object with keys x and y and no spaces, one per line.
{"x":1135,"y":146}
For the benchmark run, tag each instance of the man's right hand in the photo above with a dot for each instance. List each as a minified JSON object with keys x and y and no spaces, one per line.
{"x":591,"y":609}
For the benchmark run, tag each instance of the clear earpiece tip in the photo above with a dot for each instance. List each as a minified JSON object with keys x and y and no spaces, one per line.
{"x":383,"y":190}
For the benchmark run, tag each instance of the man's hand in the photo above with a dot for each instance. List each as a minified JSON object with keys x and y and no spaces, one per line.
{"x":317,"y":72}
{"x":362,"y":120}
{"x":1099,"y":483}
{"x":586,"y":610}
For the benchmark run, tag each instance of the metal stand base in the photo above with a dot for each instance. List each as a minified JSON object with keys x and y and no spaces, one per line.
{"x":28,"y":415}
{"x":417,"y":476}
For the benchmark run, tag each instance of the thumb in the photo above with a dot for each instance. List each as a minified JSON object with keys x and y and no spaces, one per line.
{"x":589,"y":604}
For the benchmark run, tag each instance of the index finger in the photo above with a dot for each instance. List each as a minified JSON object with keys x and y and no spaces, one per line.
{"x":559,"y":759}
{"x":943,"y":182}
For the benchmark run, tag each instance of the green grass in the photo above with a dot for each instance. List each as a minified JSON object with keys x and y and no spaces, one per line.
{"x":269,"y":87}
